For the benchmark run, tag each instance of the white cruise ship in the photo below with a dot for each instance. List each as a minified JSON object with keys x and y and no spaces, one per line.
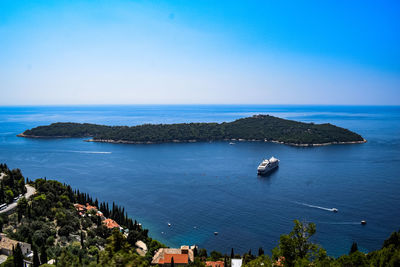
{"x":268,"y":165}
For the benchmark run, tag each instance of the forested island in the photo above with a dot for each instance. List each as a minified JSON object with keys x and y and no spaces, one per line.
{"x":64,"y":227}
{"x":255,"y":128}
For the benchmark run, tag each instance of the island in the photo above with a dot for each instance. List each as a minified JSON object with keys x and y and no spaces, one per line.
{"x":256,"y":128}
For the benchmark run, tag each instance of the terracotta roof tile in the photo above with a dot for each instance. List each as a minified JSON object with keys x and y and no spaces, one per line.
{"x":110,"y":223}
{"x":178,"y":258}
{"x":215,"y":263}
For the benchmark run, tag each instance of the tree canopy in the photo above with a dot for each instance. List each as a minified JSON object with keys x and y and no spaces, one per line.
{"x":259,"y":127}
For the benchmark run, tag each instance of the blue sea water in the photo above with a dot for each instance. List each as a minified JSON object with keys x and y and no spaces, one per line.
{"x":202,"y":188}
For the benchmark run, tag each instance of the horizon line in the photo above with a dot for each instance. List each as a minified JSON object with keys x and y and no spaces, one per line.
{"x":199,"y":104}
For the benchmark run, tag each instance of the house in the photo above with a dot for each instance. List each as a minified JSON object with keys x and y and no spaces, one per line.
{"x":215,"y":263}
{"x":179,"y":260}
{"x":141,"y":248}
{"x":7,"y":245}
{"x":83,"y":208}
{"x":280,"y":261}
{"x":89,"y":208}
{"x":80,"y":208}
{"x":100,"y":214}
{"x":182,"y":256}
{"x":236,"y":262}
{"x":110,"y":224}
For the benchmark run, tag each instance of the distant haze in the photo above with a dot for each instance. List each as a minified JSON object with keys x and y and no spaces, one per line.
{"x":199,"y":52}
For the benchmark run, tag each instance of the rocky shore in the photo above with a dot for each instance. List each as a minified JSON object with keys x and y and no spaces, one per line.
{"x":238,"y":140}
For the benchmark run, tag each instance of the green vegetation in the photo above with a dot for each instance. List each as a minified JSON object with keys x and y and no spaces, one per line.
{"x":12,"y":184}
{"x":50,"y":222}
{"x":259,"y":127}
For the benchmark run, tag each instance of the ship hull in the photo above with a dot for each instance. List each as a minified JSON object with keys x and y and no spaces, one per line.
{"x":267,"y":170}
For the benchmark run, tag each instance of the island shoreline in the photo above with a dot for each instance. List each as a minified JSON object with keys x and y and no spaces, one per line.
{"x":192,"y":141}
{"x":224,"y":140}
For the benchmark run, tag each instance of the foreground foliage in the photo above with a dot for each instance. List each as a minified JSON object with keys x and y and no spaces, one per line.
{"x":51,"y":224}
{"x":12,"y":184}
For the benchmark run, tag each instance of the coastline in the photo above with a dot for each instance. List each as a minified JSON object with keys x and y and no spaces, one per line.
{"x":111,"y":141}
{"x":49,"y":137}
{"x":238,"y":140}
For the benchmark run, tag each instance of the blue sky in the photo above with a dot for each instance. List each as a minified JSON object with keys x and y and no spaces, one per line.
{"x":199,"y":52}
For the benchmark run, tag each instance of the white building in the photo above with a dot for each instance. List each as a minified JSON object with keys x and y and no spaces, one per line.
{"x":236,"y":262}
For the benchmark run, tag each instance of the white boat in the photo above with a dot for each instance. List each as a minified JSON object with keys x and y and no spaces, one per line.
{"x":268,"y":165}
{"x":335,"y":210}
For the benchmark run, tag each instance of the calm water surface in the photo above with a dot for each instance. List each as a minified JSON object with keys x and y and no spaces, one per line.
{"x":201,"y":188}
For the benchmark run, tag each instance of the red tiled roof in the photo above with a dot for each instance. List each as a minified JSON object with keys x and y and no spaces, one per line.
{"x":88,"y":207}
{"x":215,"y":263}
{"x":79,"y":207}
{"x":178,"y":258}
{"x":110,"y":223}
{"x":280,"y":261}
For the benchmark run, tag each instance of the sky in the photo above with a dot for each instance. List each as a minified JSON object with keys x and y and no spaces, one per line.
{"x":331,"y":52}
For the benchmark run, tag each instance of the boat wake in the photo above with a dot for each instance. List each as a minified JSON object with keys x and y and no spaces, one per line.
{"x":316,"y":207}
{"x":341,"y":223}
{"x":91,"y":152}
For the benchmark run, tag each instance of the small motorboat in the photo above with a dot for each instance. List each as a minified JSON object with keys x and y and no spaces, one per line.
{"x":363,"y":222}
{"x":335,"y":210}
{"x":231,"y":143}
{"x":169,"y":225}
{"x":215,"y":233}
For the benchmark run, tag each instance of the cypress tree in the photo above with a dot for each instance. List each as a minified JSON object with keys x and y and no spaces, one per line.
{"x":43,"y":255}
{"x":232,"y":254}
{"x":82,"y":240}
{"x":195,"y":251}
{"x":35,"y":260}
{"x":18,"y":257}
{"x":260,"y":251}
{"x":354,"y":247}
{"x":172,"y":262}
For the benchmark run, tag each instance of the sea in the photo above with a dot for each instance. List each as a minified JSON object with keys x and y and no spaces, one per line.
{"x":206,"y":187}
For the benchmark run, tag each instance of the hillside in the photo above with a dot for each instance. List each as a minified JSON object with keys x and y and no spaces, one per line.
{"x":255,"y":128}
{"x":58,"y":225}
